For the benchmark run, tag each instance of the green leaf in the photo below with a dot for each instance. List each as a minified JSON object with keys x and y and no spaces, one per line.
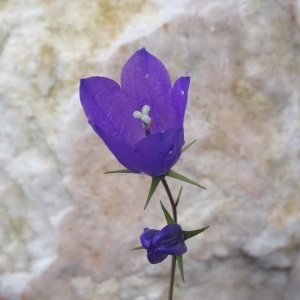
{"x":168,"y":217}
{"x":187,"y":146}
{"x":189,"y":234}
{"x":178,"y":176}
{"x":138,"y":248}
{"x":154,"y":184}
{"x":121,"y":171}
{"x":178,"y":197}
{"x":180,"y":265}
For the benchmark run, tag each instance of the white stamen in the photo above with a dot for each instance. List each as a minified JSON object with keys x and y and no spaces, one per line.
{"x":137,"y":114}
{"x":145,"y":109}
{"x":146,"y":119}
{"x":143,"y":115}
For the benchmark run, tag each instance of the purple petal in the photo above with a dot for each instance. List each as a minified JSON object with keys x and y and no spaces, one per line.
{"x":175,"y":248}
{"x":179,"y":97}
{"x":169,"y":233}
{"x":145,"y":80}
{"x":121,"y":150}
{"x":154,"y":155}
{"x":160,"y":151}
{"x":155,"y":258}
{"x":170,"y":240}
{"x":147,"y":237}
{"x":106,"y":105}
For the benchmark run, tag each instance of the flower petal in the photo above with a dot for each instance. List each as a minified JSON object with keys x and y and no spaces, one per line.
{"x":179,"y":97}
{"x":160,"y":151}
{"x":154,"y":155}
{"x":146,"y":81}
{"x":121,"y":150}
{"x":155,"y":258}
{"x":106,"y":105}
{"x":176,"y":248}
{"x":169,"y":233}
{"x":147,"y":237}
{"x":170,"y":240}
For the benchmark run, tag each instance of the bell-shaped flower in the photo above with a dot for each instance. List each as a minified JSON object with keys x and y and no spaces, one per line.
{"x":141,"y":121}
{"x":161,"y":243}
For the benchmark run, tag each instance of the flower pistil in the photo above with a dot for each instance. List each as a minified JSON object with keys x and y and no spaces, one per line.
{"x":146,"y":120}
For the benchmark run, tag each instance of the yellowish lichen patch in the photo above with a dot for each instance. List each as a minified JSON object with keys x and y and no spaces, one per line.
{"x":286,"y":212}
{"x":255,"y":101}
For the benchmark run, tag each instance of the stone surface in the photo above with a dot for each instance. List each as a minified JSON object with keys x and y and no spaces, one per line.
{"x":66,"y":229}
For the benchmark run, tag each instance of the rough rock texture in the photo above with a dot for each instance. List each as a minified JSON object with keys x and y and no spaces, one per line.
{"x":66,"y":229}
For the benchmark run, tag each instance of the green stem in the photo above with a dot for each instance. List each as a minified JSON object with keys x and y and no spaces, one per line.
{"x":173,"y":262}
{"x":172,"y":277}
{"x":172,"y":202}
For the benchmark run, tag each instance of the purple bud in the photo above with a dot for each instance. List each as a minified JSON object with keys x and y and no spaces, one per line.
{"x":161,"y":243}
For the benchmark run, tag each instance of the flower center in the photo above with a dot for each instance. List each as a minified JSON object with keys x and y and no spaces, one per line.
{"x":143,"y":115}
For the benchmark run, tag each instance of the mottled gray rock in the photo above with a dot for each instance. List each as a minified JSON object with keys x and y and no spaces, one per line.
{"x":66,"y":229}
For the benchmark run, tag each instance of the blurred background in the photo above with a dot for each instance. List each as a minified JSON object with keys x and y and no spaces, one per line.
{"x":66,"y":229}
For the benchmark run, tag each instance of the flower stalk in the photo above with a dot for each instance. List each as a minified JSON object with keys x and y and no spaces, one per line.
{"x":172,"y":277}
{"x":173,"y":262}
{"x":172,"y":202}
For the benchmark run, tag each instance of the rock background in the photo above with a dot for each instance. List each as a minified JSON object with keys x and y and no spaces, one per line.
{"x":66,"y":229}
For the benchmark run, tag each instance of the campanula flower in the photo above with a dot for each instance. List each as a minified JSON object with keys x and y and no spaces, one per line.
{"x":161,"y":243}
{"x":141,"y":121}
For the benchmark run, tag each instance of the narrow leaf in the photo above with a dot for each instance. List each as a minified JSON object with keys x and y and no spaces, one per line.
{"x":120,"y":171}
{"x":178,"y":197}
{"x":189,"y":234}
{"x":187,"y":146}
{"x":168,"y":217}
{"x":154,"y":184}
{"x":178,"y":176}
{"x":180,"y":265}
{"x":138,"y":248}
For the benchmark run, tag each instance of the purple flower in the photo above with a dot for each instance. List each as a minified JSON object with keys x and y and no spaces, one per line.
{"x":161,"y":243}
{"x":141,"y":121}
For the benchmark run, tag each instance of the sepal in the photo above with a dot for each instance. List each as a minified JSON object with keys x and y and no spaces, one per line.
{"x":168,"y":217}
{"x":180,"y":265}
{"x":187,"y":146}
{"x":123,"y":171}
{"x":178,"y":176}
{"x":178,"y":197}
{"x":138,"y":248}
{"x":191,"y":233}
{"x":154,"y":183}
